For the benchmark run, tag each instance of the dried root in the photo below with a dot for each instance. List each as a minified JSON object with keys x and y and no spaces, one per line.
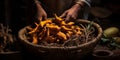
{"x":6,"y":38}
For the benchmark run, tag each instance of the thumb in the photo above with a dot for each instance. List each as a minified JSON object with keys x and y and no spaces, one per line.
{"x":45,"y":17}
{"x":40,"y":18}
{"x":64,"y":14}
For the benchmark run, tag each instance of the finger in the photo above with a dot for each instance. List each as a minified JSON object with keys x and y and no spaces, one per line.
{"x":45,"y":17}
{"x":73,"y":17}
{"x":40,"y":18}
{"x":64,"y":14}
{"x":67,"y":17}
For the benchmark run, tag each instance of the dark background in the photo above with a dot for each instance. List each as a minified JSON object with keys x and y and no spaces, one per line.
{"x":20,"y":13}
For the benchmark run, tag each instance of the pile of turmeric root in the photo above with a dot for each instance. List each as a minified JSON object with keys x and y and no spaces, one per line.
{"x":55,"y":30}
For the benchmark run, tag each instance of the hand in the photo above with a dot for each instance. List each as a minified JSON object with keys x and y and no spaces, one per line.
{"x":71,"y":13}
{"x":42,"y":15}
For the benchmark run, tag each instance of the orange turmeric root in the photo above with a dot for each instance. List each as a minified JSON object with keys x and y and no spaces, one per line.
{"x":35,"y":41}
{"x":35,"y":29}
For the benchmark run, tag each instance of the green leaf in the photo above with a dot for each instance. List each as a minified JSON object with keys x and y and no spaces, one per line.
{"x":104,"y":40}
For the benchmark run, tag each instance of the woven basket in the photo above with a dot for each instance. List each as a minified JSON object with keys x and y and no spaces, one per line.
{"x":73,"y":52}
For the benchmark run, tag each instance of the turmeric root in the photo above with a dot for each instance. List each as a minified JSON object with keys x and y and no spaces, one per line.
{"x":63,"y":23}
{"x":42,"y":34}
{"x":35,"y":41}
{"x":78,"y":32}
{"x":42,"y":23}
{"x":65,"y":28}
{"x":58,"y":18}
{"x":54,"y":28}
{"x":35,"y":29}
{"x":61,"y":35}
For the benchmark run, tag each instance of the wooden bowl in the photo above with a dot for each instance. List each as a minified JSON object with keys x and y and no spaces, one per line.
{"x":73,"y":52}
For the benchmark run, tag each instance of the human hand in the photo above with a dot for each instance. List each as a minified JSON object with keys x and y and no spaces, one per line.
{"x":42,"y":15}
{"x":71,"y":13}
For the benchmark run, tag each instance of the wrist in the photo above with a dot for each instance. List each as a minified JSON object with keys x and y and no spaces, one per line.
{"x":80,"y":3}
{"x":77,"y":6}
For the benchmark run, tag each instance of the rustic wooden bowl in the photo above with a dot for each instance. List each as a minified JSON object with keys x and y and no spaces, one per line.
{"x":73,"y":52}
